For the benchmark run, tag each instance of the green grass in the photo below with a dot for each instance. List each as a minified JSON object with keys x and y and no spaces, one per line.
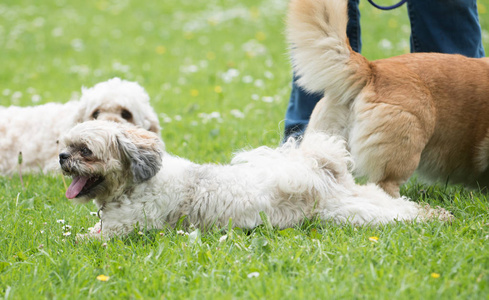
{"x":182,"y":53}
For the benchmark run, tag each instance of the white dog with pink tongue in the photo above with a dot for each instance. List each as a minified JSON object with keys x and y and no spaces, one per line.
{"x":76,"y":186}
{"x":137,"y":185}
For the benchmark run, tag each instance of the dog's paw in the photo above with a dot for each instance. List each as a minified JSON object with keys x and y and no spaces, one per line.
{"x":88,"y":236}
{"x":94,"y":232}
{"x":96,"y":229}
{"x":436,"y":213}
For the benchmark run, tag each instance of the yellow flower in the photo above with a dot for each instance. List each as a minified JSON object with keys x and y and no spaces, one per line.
{"x":218,"y":89}
{"x":211,"y":55}
{"x":160,"y":49}
{"x":194,"y":93}
{"x":255,"y":13}
{"x":435,"y":275}
{"x":393,"y":23}
{"x":260,"y":36}
{"x":212,"y":21}
{"x":482,"y":8}
{"x":373,"y":239}
{"x":103,"y":278}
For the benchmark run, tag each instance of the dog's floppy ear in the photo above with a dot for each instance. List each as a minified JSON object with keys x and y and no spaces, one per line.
{"x":143,"y":150}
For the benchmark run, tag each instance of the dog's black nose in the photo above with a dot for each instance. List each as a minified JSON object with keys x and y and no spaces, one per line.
{"x":63,"y":157}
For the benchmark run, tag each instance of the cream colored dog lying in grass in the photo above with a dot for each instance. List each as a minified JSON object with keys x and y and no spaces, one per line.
{"x":35,"y":130}
{"x":136,"y":184}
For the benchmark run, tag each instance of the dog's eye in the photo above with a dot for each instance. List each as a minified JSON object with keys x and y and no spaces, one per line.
{"x":85,"y":151}
{"x":95,"y":114}
{"x":126,"y":114}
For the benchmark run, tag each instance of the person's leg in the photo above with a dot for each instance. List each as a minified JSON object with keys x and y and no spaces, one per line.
{"x":353,"y":31}
{"x":302,"y":103}
{"x":446,"y":26}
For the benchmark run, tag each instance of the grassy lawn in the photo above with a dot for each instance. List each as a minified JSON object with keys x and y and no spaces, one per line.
{"x":218,"y":75}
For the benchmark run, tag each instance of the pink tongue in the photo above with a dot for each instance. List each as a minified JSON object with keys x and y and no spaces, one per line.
{"x":76,"y":186}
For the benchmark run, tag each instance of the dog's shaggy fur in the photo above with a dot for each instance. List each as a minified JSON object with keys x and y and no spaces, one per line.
{"x":422,"y":111}
{"x":136,"y":184}
{"x":35,"y":131}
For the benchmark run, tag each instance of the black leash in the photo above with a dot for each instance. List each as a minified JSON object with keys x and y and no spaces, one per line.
{"x":387,"y":7}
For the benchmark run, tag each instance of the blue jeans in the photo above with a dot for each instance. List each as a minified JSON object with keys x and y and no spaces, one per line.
{"x":446,"y":26}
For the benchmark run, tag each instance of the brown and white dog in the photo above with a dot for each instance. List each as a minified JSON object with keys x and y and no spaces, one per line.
{"x":424,"y":111}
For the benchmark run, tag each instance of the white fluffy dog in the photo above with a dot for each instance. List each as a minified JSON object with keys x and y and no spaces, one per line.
{"x":137,"y":185}
{"x":35,"y":131}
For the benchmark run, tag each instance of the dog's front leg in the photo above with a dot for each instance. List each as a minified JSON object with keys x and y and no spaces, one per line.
{"x":93,"y":233}
{"x":106,"y":230}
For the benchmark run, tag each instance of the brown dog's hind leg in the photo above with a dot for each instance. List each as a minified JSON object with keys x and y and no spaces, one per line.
{"x":391,"y":187}
{"x":386,"y":142}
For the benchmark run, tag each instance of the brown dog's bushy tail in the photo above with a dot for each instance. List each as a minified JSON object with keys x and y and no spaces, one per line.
{"x":321,"y":55}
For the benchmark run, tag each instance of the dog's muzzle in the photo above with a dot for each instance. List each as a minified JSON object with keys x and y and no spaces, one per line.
{"x":63,"y":157}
